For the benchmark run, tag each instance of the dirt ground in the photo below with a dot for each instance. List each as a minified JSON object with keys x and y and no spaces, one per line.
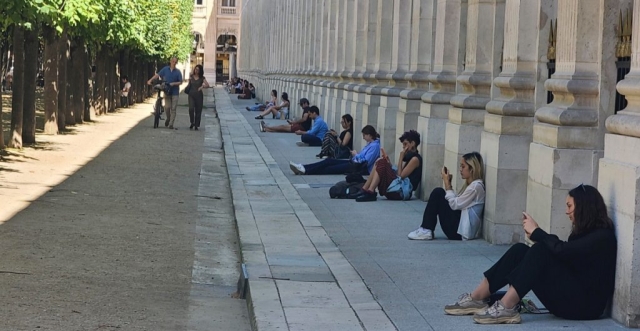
{"x":97,"y":226}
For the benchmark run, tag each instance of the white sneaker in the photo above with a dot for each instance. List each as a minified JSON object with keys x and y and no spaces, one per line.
{"x":262,"y":126}
{"x":421,"y":234}
{"x":297,"y":169}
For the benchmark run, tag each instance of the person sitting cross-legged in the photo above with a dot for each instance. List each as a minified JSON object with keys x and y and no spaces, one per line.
{"x":396,"y":184}
{"x":460,"y":214}
{"x":361,"y":162}
{"x":573,"y":279}
{"x":314,"y":136}
{"x":302,"y":124}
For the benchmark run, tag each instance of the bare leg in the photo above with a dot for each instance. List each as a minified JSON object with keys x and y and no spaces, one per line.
{"x":280,"y":128}
{"x":267,"y":111}
{"x":510,"y":299}
{"x":367,"y":184}
{"x":373,"y":180}
{"x":482,"y":291}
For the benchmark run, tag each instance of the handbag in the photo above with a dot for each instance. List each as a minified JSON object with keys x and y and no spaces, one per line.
{"x":187,"y":89}
{"x":402,"y":186}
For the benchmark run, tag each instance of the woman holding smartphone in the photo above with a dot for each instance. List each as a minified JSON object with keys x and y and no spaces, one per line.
{"x":460,"y":213}
{"x":573,"y":279}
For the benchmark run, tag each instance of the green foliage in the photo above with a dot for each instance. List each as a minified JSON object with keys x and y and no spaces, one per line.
{"x":153,"y":29}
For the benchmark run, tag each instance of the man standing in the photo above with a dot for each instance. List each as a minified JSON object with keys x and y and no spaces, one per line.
{"x":124,"y":94}
{"x":314,"y":136}
{"x":172,"y":76}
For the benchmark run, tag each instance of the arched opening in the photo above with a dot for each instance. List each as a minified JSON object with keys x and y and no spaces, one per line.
{"x":226,"y":48}
{"x":197,"y":49}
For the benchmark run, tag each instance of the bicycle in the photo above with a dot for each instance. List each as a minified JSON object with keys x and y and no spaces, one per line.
{"x":158,"y":108}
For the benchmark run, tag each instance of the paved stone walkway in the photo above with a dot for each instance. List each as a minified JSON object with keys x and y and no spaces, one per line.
{"x":410,"y":280}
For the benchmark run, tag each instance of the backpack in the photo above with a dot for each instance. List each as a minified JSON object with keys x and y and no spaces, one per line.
{"x":345,"y":190}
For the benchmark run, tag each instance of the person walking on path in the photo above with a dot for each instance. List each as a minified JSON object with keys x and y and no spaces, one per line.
{"x":573,"y":279}
{"x":197,"y":83}
{"x":460,"y":214}
{"x":362,"y":162}
{"x":172,"y":76}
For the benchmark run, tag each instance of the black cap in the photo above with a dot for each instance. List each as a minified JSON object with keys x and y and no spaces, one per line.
{"x":303,"y":101}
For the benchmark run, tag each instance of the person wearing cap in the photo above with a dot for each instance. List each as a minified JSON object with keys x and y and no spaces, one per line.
{"x":302,"y":124}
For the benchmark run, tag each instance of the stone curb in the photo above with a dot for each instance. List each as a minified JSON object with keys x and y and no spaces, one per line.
{"x":263,"y":298}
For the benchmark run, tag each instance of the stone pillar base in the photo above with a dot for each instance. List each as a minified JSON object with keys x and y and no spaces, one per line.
{"x":386,"y":126}
{"x":619,"y":183}
{"x":407,"y":119}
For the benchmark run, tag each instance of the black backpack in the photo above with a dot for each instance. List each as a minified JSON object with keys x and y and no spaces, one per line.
{"x":345,"y":190}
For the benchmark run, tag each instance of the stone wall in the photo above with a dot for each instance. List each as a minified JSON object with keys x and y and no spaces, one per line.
{"x":472,"y":75}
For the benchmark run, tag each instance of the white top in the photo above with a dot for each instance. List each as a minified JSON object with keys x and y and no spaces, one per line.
{"x":125,"y":90}
{"x":471,"y":203}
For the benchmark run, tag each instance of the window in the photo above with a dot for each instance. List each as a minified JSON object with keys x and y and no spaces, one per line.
{"x":198,"y":2}
{"x":228,"y":3}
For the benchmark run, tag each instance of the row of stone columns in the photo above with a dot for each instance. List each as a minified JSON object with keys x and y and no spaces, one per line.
{"x":473,"y":75}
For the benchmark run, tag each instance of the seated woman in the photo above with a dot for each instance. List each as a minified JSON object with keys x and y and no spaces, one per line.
{"x":460,"y":214}
{"x":301,"y":124}
{"x":366,"y":158}
{"x":407,"y":175}
{"x":277,"y":110}
{"x":338,"y":147}
{"x":246,"y":92}
{"x":267,"y":104}
{"x":253,"y":90}
{"x":573,"y":279}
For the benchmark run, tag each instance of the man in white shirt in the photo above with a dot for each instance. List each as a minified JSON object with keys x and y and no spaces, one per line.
{"x":124,"y":94}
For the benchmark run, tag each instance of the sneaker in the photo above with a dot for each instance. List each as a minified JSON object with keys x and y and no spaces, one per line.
{"x":465,"y":304}
{"x":367,"y":197}
{"x":498,"y":314}
{"x":297,"y":169}
{"x":421,"y":234}
{"x":262,"y":126}
{"x":301,"y":144}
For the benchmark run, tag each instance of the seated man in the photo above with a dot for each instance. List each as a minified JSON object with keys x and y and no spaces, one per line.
{"x":246,"y":92}
{"x":302,"y":124}
{"x":314,"y":136}
{"x":238,"y":87}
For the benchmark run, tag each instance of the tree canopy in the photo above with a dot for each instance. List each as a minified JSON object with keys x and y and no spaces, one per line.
{"x":156,"y":29}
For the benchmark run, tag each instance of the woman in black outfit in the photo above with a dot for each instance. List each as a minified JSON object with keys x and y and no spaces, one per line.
{"x":197,"y":82}
{"x":573,"y":279}
{"x":338,"y":147}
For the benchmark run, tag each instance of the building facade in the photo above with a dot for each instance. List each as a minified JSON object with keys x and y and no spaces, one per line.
{"x":216,"y":31}
{"x":543,"y":89}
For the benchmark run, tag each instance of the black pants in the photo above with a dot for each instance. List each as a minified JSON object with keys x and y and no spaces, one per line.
{"x":438,"y":208}
{"x":124,"y":101}
{"x":550,"y":279}
{"x":311,"y":140}
{"x":195,"y":109}
{"x":328,"y":167}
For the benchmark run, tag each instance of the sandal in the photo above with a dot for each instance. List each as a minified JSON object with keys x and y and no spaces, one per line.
{"x":259,"y":117}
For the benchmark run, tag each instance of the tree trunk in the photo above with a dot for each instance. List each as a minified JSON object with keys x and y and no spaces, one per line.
{"x":100,"y":81}
{"x":50,"y":81}
{"x":17,"y":99}
{"x":31,"y":50}
{"x":63,"y":60}
{"x":77,"y":80}
{"x":88,"y":83}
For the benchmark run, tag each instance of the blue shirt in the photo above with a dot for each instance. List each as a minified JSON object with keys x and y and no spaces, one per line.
{"x":369,"y":154}
{"x":171,"y":76}
{"x":319,"y":128}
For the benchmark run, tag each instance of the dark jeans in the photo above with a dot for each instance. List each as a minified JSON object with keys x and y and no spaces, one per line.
{"x":328,"y":167}
{"x":438,"y":208}
{"x":311,"y":140}
{"x":124,"y":102}
{"x":550,"y":278}
{"x":195,"y":109}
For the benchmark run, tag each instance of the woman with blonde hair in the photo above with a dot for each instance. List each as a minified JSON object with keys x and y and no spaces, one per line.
{"x":460,"y":214}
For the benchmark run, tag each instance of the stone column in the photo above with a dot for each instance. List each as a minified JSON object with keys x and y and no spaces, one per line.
{"x":360,"y":58}
{"x":449,"y":50}
{"x":338,"y":46}
{"x":485,"y":28}
{"x":383,"y":49}
{"x":508,"y":126}
{"x":568,"y":134}
{"x":619,"y":183}
{"x":423,"y":29}
{"x":350,"y":37}
{"x":233,"y":72}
